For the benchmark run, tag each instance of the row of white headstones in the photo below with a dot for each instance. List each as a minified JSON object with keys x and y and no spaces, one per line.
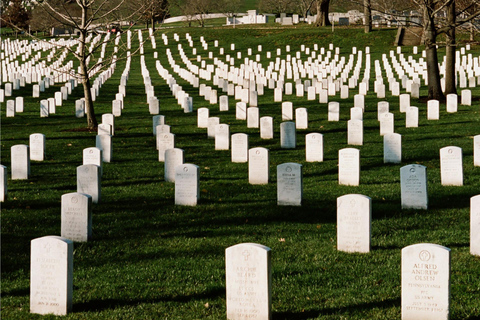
{"x":288,"y":168}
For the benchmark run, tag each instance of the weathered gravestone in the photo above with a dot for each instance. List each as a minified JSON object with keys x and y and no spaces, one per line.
{"x":289,"y":184}
{"x":51,"y":275}
{"x":76,"y":222}
{"x":413,"y":185}
{"x":173,"y":158}
{"x":104,"y":143}
{"x":475,"y":225}
{"x":349,"y":167}
{"x":288,"y":136}
{"x":187,"y":184}
{"x":314,"y":147}
{"x":248,"y":282}
{"x":89,"y":181}
{"x":258,"y":166}
{"x":354,"y":219}
{"x":20,"y":162}
{"x":239,"y":147}
{"x":392,"y":148}
{"x":37,"y":146}
{"x":222,"y":136}
{"x":451,"y":166}
{"x":425,"y":282}
{"x":3,"y":183}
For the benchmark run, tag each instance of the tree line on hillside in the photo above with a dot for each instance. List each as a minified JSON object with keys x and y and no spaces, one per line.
{"x":439,"y":17}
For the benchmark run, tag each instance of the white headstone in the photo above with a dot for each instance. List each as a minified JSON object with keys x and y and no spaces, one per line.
{"x":241,"y":111}
{"x":476,"y":150}
{"x":51,"y":275}
{"x":202,"y":117}
{"x":433,"y":110}
{"x":222,"y":136}
{"x":239,"y":147}
{"x":425,"y":282}
{"x":248,"y":282}
{"x":404,"y":102}
{"x":392,"y":148}
{"x":301,"y":118}
{"x":475,"y":225}
{"x":37,"y":147}
{"x":287,"y":111}
{"x":19,"y":104}
{"x":165,"y":141}
{"x":314,"y":147}
{"x":386,"y":124}
{"x":187,"y":184}
{"x":411,"y":117}
{"x":173,"y":158}
{"x":109,"y":118}
{"x":333,"y":111}
{"x":355,"y":132}
{"x":80,"y":108}
{"x":76,"y":222}
{"x":10,"y":108}
{"x":349,"y":167}
{"x":89,"y":181}
{"x":223,"y":103}
{"x":266,"y":127}
{"x":253,"y":117}
{"x":289,"y":184}
{"x":452,"y":102}
{"x":451,"y":166}
{"x":212,"y":124}
{"x":354,"y":216}
{"x":104,"y":143}
{"x":20,"y":162}
{"x":413,"y":183}
{"x":258,"y":166}
{"x":466,"y":97}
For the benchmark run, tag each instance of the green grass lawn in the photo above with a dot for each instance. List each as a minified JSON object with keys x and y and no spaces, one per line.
{"x":151,"y":259}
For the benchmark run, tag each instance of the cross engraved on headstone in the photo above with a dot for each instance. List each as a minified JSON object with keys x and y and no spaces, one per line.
{"x":246,"y":254}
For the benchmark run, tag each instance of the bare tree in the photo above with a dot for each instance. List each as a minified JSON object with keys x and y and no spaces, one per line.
{"x":84,"y":16}
{"x":152,"y":10}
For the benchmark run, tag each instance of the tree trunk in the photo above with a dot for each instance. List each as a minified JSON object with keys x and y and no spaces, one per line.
{"x":367,"y":11}
{"x":322,"y":13}
{"x":153,"y":23}
{"x":433,"y":72}
{"x":450,"y":84}
{"x":85,"y":78}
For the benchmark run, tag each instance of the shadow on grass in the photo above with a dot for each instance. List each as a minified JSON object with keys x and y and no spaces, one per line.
{"x":311,"y":314}
{"x":106,"y":304}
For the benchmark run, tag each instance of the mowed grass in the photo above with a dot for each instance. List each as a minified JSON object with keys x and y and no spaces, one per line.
{"x":151,"y":259}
